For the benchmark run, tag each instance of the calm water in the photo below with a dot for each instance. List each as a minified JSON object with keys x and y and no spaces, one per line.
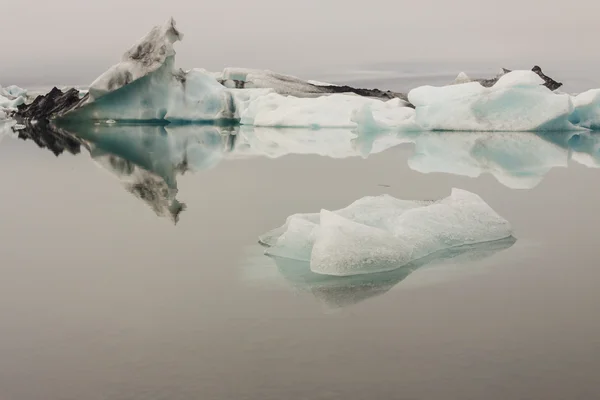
{"x":104,"y":296}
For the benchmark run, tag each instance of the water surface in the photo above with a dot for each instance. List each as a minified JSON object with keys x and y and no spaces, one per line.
{"x":131,"y":269}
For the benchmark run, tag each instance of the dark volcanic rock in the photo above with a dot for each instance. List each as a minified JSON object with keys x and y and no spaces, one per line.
{"x":45,"y":107}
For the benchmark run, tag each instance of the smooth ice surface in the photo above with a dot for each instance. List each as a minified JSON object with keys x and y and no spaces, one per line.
{"x":377,"y":234}
{"x":518,"y":101}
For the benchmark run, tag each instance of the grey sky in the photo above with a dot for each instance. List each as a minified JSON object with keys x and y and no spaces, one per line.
{"x":73,"y":41}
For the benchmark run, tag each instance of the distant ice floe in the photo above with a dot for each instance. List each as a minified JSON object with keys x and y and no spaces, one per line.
{"x":377,"y":234}
{"x":145,"y":86}
{"x":10,"y":98}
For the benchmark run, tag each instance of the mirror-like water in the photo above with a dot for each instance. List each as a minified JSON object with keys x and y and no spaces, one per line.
{"x":131,"y":269}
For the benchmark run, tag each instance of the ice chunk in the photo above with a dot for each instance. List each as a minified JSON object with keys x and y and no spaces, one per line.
{"x":147,"y":55}
{"x":240,"y":78}
{"x":462,"y":78}
{"x":264,"y":79}
{"x":13,"y":92}
{"x":336,"y":110}
{"x":518,"y":101}
{"x":10,"y":98}
{"x":391,"y":115}
{"x":163,"y":95}
{"x":587,"y":110}
{"x":379,"y":234}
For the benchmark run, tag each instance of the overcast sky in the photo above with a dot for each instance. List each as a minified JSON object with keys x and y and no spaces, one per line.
{"x":73,"y":41}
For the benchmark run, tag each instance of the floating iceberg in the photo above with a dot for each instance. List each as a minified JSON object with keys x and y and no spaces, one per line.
{"x":11,"y":97}
{"x":587,"y":110}
{"x":145,"y":86}
{"x":518,"y":101}
{"x":377,"y":234}
{"x":244,"y":78}
{"x":336,"y":110}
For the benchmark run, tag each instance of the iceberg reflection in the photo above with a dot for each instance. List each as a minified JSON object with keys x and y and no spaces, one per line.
{"x":148,"y":159}
{"x":339,"y":292}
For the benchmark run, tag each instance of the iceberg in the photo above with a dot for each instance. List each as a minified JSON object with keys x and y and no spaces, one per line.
{"x":334,"y":111}
{"x":587,"y":110}
{"x":11,"y":97}
{"x":548,"y":82}
{"x":145,"y":86}
{"x":240,"y":78}
{"x":518,"y":101}
{"x":378,"y":234}
{"x":149,"y":54}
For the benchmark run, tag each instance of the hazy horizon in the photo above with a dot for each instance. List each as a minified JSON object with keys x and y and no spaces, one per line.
{"x":77,"y":43}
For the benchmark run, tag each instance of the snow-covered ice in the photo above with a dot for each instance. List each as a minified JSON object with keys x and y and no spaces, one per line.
{"x":377,"y":234}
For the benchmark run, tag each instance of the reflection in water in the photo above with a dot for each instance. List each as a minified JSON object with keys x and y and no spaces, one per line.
{"x":147,"y":159}
{"x":337,"y":292}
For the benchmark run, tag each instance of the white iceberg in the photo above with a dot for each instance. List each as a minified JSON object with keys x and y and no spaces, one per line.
{"x":377,"y":234}
{"x":245,"y":78}
{"x":11,"y":97}
{"x":146,"y":86}
{"x":149,"y":54}
{"x":333,"y":111}
{"x":518,"y":101}
{"x":587,"y":110}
